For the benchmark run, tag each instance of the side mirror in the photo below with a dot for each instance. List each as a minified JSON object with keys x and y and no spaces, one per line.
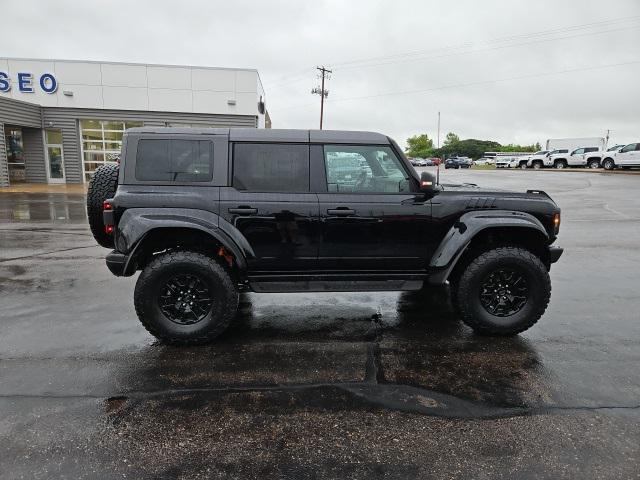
{"x":427,"y":183}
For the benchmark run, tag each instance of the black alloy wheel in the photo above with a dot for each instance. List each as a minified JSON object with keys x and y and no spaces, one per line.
{"x":185,"y":299}
{"x":504,"y":292}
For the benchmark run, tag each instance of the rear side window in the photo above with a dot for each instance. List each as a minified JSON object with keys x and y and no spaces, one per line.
{"x":174,"y":160}
{"x":271,"y":167}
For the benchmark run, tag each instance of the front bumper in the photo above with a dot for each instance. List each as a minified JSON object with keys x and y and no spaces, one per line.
{"x":555,"y":253}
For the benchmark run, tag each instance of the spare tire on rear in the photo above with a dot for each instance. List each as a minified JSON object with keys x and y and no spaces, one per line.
{"x":101,"y":187}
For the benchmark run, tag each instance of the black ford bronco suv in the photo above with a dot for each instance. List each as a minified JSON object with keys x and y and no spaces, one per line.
{"x":208,"y":213}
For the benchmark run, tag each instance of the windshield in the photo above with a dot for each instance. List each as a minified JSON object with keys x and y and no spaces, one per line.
{"x":615,"y":147}
{"x":541,"y":152}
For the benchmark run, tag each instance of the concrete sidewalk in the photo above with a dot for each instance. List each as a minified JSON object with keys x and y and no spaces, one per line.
{"x":45,"y":188}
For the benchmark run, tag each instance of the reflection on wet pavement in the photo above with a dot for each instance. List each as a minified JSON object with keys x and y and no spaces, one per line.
{"x":42,"y":207}
{"x":348,"y":385}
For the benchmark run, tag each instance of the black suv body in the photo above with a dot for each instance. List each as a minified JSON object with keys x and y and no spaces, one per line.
{"x":307,"y":210}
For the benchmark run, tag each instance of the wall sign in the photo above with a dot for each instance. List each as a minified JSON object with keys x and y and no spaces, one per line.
{"x":25,"y":82}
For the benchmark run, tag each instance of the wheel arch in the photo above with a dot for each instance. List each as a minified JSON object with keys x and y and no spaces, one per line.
{"x":476,"y":231}
{"x":143,"y":232}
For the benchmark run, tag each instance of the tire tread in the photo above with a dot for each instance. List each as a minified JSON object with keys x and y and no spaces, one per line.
{"x":164,"y":260}
{"x":464,"y":285}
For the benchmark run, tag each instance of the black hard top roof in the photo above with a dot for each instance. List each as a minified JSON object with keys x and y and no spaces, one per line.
{"x":273,"y":135}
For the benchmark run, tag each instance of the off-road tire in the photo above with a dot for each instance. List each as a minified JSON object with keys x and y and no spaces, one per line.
{"x":103,"y":185}
{"x":467,"y":291}
{"x":165,"y":266}
{"x":608,"y":164}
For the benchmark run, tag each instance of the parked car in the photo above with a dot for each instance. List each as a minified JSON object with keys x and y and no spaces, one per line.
{"x":457,"y":162}
{"x":574,"y":158}
{"x":625,"y":157}
{"x":594,"y":159}
{"x":506,"y":162}
{"x":209,"y":213}
{"x":484,"y":161}
{"x":536,"y":160}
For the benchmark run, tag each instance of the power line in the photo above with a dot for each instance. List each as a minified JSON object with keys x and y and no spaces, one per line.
{"x":484,"y":82}
{"x":488,"y":49}
{"x":469,"y":84}
{"x":537,"y":37}
{"x":601,"y":23}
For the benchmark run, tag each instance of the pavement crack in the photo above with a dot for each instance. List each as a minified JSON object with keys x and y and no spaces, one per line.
{"x":44,"y":253}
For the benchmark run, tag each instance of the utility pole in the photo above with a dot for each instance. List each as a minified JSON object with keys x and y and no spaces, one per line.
{"x":438,"y":166}
{"x":324,"y":74}
{"x":606,"y":141}
{"x":438,"y":129}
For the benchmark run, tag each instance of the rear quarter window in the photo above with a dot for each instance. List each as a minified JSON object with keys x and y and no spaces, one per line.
{"x":271,"y":167}
{"x":174,"y":160}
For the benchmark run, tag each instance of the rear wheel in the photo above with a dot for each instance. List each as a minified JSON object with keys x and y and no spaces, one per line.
{"x":503,"y":291}
{"x":185,"y":297}
{"x":523,"y":166}
{"x":608,"y":164}
{"x":537,"y":165}
{"x":560,"y":164}
{"x":102,"y":186}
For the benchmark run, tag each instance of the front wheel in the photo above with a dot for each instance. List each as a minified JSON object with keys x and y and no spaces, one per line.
{"x":593,"y":164}
{"x":503,"y":291}
{"x":608,"y":164}
{"x":560,"y":165}
{"x":537,"y":165}
{"x":523,"y":166}
{"x":185,"y":297}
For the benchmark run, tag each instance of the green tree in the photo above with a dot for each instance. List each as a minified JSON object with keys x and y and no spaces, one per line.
{"x":451,"y":138}
{"x":512,"y":147}
{"x":419,"y":146}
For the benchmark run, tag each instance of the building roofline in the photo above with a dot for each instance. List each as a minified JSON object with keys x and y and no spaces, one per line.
{"x":139,"y":64}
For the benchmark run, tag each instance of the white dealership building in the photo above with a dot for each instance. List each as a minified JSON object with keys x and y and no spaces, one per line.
{"x":61,"y":119}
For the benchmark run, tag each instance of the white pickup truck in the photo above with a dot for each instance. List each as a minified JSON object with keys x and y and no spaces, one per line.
{"x":594,"y":159}
{"x":625,"y":157}
{"x":575,"y":158}
{"x":536,"y":160}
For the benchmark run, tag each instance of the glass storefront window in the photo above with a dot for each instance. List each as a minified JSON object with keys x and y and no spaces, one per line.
{"x":54,"y":137}
{"x":102,"y":142}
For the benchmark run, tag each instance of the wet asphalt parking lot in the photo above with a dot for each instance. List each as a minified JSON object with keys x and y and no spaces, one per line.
{"x":364,"y":385}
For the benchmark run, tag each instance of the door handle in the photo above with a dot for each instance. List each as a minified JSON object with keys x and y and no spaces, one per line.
{"x":341,"y":212}
{"x":242,"y":210}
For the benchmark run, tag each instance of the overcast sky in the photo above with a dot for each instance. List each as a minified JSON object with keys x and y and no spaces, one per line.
{"x":510,"y":70}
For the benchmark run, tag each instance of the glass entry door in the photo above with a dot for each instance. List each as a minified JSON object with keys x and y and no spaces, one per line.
{"x":55,"y":156}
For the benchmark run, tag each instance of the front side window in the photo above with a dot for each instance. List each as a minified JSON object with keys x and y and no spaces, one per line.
{"x":629,"y":148}
{"x":174,"y":160}
{"x":364,"y":169}
{"x":578,"y":151}
{"x":271,"y":167}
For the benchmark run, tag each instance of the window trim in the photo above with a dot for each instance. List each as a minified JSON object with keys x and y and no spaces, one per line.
{"x":232,"y":163}
{"x":410,"y":178}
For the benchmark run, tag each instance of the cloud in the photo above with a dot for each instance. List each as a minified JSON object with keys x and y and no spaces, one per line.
{"x":459,"y":45}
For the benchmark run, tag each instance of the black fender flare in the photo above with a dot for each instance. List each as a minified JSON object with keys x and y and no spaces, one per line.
{"x":459,"y":236}
{"x":136,"y":223}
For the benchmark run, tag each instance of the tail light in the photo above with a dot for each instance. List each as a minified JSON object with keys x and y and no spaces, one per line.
{"x":556,"y":222}
{"x":107,"y":207}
